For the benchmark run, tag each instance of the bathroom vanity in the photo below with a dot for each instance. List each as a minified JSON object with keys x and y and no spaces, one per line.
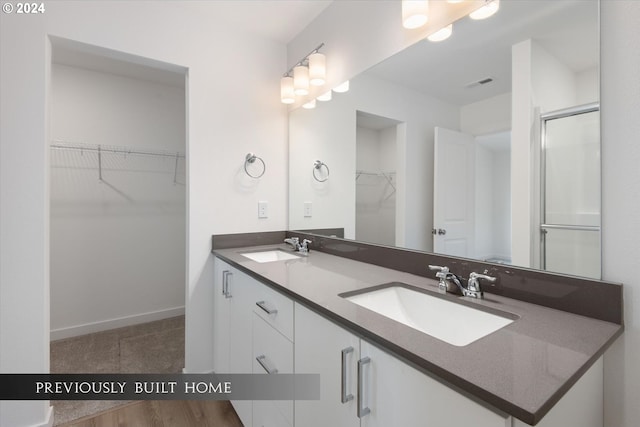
{"x":278,"y":312}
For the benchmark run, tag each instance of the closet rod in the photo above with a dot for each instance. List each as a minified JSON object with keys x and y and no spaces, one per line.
{"x":61,"y":145}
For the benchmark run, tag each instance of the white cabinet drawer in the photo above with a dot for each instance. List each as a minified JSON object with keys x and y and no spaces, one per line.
{"x":265,"y":414}
{"x":276,"y":309}
{"x":272,"y":352}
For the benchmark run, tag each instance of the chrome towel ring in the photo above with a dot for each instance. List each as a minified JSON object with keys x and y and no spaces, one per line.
{"x":249,"y":159}
{"x":317,"y":166}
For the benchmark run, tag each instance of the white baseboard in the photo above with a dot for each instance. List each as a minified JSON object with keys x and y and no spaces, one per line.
{"x":49,"y":421}
{"x":104,"y":325}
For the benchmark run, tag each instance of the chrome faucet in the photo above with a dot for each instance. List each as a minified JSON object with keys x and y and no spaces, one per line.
{"x":473,"y":284}
{"x":448,"y":279}
{"x":294,"y":242}
{"x":303,"y":247}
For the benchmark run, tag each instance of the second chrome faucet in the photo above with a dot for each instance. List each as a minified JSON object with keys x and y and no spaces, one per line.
{"x":450,"y":282}
{"x":302,"y":248}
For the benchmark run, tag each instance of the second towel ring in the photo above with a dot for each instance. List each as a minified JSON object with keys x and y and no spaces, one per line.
{"x":249,"y":159}
{"x":317,"y":165}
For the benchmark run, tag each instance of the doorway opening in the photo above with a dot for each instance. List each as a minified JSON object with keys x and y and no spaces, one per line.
{"x":376,"y":178}
{"x":118,"y":215}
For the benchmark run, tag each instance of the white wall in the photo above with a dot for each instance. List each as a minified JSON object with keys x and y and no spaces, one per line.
{"x":620,"y":90}
{"x":233,"y":108}
{"x":620,"y":154}
{"x":124,"y":236}
{"x":330,"y":130}
{"x":490,"y":115}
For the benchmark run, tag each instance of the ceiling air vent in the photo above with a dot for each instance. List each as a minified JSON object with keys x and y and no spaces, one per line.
{"x":480,"y":82}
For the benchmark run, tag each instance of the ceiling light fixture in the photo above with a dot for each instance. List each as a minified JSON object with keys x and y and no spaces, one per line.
{"x":441,"y":34}
{"x":415,"y":13}
{"x":490,"y":7}
{"x":310,"y":70}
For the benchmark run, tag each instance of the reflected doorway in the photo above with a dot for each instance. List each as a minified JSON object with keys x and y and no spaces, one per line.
{"x":376,"y":181}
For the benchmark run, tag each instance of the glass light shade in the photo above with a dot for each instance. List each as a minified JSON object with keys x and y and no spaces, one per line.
{"x":287,"y":96}
{"x":455,"y":1}
{"x":310,"y":105}
{"x":342,"y":87}
{"x":441,"y":34}
{"x":490,"y":7}
{"x":301,"y":80}
{"x":415,"y":13}
{"x":325,"y":96}
{"x":317,"y":69}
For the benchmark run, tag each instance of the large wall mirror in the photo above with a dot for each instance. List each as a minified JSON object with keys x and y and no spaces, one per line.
{"x":484,"y":146}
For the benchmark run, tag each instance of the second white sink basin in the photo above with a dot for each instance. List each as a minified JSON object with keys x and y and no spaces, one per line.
{"x":270,"y":256}
{"x":454,"y":323}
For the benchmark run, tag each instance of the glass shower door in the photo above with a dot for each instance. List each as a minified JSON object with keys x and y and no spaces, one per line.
{"x":570,"y":217}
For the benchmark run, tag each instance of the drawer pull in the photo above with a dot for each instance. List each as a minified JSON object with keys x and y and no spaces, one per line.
{"x":262,"y":360}
{"x":362,"y":411}
{"x":266,"y":309}
{"x":344,"y":397}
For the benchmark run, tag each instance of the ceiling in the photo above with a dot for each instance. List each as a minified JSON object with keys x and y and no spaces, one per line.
{"x":567,"y":29}
{"x":278,"y":20}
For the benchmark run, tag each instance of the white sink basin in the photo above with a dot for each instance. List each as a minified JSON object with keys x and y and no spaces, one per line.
{"x":448,"y":321}
{"x":270,"y":256}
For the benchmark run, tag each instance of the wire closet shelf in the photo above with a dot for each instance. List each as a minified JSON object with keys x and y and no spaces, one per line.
{"x":99,"y":150}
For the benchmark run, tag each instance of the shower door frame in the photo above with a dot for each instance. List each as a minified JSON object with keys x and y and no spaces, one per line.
{"x":544,"y":118}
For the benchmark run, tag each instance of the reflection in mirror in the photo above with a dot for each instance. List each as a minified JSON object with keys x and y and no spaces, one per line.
{"x":438,"y":148}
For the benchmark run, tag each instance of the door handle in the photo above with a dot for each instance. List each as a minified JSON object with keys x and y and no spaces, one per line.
{"x":225,"y":283}
{"x":442,"y":231}
{"x":344,"y":397}
{"x":362,"y":410}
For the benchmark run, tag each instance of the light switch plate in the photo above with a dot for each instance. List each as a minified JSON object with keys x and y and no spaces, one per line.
{"x":263,"y":209}
{"x":308,"y":209}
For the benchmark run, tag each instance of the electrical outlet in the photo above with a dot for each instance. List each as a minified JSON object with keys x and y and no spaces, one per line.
{"x":308,"y":209}
{"x":263,"y":209}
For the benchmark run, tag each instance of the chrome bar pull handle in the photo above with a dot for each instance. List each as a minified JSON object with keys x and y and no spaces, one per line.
{"x":344,"y":397}
{"x":362,"y":410}
{"x":225,"y":283}
{"x":266,"y":309}
{"x":262,"y":360}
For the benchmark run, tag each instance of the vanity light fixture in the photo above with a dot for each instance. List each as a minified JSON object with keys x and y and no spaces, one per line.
{"x":325,"y":96}
{"x":490,"y":7}
{"x":455,"y":1}
{"x":309,"y":70}
{"x":287,"y":96}
{"x":441,"y":34}
{"x":342,"y":87}
{"x":309,"y":105}
{"x":415,"y":13}
{"x":317,"y":69}
{"x":301,"y":80}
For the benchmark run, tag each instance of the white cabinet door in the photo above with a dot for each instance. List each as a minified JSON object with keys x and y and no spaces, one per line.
{"x":221,"y":317}
{"x":240,"y":300}
{"x":319,"y":345}
{"x":399,"y":395}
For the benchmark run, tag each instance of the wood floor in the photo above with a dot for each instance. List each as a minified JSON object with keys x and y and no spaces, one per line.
{"x":164,"y":413}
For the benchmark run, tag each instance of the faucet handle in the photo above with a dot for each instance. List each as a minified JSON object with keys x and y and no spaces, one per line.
{"x":442,"y":272}
{"x":473,"y":284}
{"x":305,"y":244}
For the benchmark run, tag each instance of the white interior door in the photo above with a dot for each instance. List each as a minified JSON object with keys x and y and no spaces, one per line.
{"x":453,"y":193}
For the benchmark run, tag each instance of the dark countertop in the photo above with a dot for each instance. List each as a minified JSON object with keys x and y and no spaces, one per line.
{"x":522,"y":369}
